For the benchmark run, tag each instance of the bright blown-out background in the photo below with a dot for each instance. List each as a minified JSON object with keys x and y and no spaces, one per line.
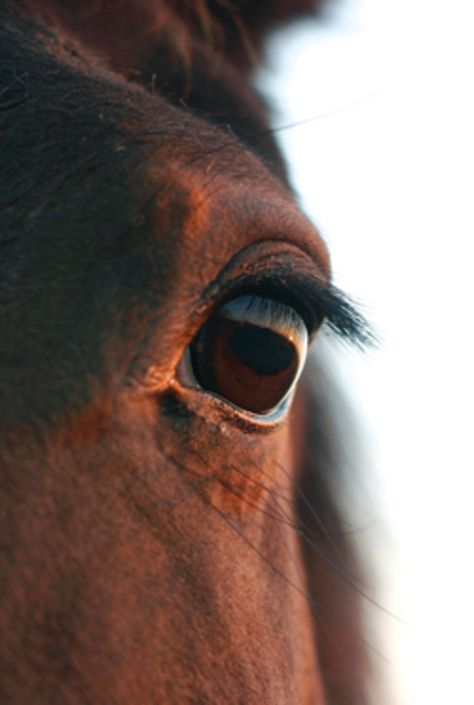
{"x":386,"y":171}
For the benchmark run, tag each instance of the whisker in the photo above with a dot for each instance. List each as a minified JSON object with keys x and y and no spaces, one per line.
{"x":301,"y":528}
{"x":253,"y":137}
{"x":318,"y":610}
{"x":321,"y":116}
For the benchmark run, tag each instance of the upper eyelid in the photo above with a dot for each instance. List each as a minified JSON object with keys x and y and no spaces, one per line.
{"x":316,"y":300}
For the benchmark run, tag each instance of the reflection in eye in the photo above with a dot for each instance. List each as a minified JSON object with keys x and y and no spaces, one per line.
{"x":250,"y":352}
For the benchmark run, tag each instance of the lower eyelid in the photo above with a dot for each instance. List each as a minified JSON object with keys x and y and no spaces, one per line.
{"x":207,"y":404}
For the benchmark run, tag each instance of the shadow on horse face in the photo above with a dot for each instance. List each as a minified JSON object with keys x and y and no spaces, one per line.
{"x":152,"y":549}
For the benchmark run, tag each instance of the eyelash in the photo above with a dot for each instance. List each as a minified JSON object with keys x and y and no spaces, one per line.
{"x":341,"y":316}
{"x":318,"y":304}
{"x":287,"y":275}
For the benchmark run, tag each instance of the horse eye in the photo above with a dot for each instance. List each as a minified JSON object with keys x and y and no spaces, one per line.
{"x":250,"y":352}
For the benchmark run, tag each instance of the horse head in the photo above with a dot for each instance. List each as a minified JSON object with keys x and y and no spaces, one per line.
{"x":159,"y":287}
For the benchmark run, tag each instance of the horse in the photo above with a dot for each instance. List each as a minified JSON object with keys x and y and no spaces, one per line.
{"x":170,"y":528}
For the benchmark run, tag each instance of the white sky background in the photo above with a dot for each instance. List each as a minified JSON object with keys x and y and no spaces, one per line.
{"x":389,"y":180}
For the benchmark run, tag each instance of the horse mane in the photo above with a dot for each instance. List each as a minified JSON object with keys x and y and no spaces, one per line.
{"x":234,"y":29}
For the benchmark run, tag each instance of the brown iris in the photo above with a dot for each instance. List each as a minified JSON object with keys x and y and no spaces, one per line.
{"x":250,"y":352}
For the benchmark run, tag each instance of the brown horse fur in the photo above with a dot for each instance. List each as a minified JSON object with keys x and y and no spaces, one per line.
{"x":156,"y":546}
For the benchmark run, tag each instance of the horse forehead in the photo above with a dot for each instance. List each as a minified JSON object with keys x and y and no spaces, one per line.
{"x":207,"y":187}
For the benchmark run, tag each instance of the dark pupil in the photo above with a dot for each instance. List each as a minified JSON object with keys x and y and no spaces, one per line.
{"x":249,"y":365}
{"x":265,"y":352}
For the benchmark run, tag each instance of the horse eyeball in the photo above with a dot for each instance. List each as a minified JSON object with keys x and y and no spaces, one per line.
{"x":250,"y":352}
